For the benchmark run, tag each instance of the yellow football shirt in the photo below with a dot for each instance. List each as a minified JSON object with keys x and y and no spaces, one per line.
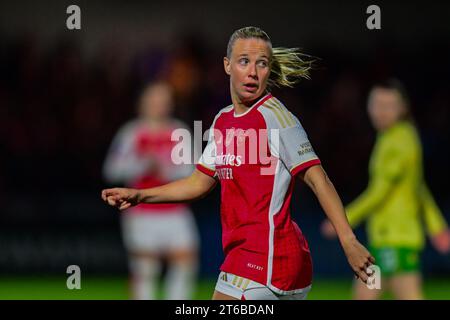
{"x":397,"y":204}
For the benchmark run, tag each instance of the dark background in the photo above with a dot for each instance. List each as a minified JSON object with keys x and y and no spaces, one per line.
{"x":64,"y":93}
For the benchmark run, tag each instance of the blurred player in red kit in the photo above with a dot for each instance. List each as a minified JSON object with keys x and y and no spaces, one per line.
{"x":256,"y":149}
{"x":140,"y":157}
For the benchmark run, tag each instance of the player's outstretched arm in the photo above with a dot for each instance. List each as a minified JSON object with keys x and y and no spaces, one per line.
{"x":187,"y":189}
{"x":435,"y":223}
{"x":358,"y":256}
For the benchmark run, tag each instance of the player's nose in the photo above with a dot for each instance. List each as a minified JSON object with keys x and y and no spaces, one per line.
{"x":253,"y":71}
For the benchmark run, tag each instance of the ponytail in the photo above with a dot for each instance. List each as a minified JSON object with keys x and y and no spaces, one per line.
{"x":288,"y":65}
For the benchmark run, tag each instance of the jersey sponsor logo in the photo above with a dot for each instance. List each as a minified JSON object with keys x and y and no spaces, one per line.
{"x":232,"y":146}
{"x":305,"y":148}
{"x":228,"y":160}
{"x":254,"y":266}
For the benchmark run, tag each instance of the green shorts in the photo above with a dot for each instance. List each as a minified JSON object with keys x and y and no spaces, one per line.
{"x":392,"y":260}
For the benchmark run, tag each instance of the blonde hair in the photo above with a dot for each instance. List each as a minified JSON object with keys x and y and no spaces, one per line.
{"x":287,"y":65}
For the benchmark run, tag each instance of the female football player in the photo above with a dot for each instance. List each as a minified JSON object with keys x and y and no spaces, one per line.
{"x":256,"y":148}
{"x":140,"y":157}
{"x":397,"y":202}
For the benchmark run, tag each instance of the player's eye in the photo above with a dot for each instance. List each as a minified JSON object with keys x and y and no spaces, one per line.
{"x":243,"y":61}
{"x":263,"y":63}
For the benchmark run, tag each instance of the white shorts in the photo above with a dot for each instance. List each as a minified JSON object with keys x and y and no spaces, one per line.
{"x":246,"y":289}
{"x":159,"y":233}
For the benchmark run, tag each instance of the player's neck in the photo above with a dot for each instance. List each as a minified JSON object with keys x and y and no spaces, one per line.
{"x":157,"y":123}
{"x":240,"y":106}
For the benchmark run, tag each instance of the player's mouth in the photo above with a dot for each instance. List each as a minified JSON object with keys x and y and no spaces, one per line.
{"x":251,"y":87}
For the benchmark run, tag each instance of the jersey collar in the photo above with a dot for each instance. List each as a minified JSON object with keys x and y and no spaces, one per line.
{"x":255,"y":105}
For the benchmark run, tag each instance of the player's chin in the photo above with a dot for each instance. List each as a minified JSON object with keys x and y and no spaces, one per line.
{"x":248,"y":96}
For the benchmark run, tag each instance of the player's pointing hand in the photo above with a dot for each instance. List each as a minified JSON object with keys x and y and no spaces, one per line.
{"x":121,"y":198}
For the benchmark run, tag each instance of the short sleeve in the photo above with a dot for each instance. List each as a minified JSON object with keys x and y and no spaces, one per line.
{"x":295,"y":150}
{"x":206,"y":163}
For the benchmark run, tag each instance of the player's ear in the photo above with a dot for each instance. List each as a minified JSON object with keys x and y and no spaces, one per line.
{"x":227,"y":65}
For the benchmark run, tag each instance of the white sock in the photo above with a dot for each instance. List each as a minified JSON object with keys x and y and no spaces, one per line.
{"x":180,"y":280}
{"x":144,"y":272}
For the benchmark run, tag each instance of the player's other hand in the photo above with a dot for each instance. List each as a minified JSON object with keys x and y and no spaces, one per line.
{"x":328,"y":230}
{"x":121,"y":198}
{"x":441,"y":241}
{"x":359,"y":258}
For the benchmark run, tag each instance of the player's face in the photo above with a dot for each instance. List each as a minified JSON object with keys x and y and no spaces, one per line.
{"x":156,"y":102}
{"x":248,"y":68}
{"x":385,"y":108}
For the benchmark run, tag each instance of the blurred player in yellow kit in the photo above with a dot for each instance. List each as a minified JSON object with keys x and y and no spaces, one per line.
{"x":397,"y":203}
{"x":140,"y":157}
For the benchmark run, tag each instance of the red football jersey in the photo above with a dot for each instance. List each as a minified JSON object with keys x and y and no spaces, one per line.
{"x":256,"y":156}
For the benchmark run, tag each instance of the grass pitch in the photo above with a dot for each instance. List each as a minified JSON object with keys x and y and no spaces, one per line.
{"x":116,"y":288}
